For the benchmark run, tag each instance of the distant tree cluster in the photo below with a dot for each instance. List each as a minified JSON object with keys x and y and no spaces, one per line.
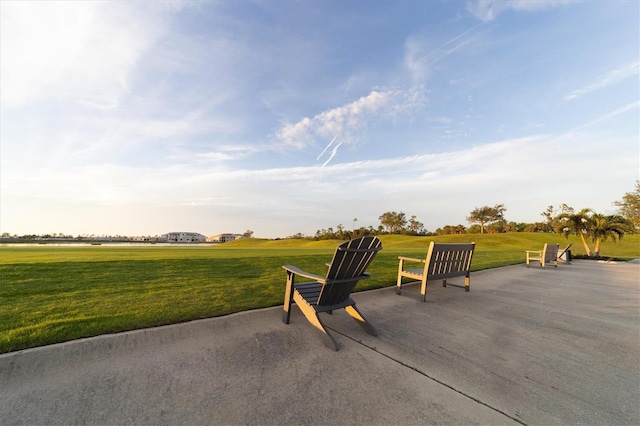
{"x":588,"y":225}
{"x":390,"y":223}
{"x":488,"y":215}
{"x":397,"y":223}
{"x":451,"y":229}
{"x":629,"y":207}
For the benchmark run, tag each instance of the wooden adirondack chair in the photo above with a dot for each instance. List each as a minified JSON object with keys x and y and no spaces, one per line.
{"x":549,"y":253}
{"x":326,"y":294}
{"x":564,"y":255}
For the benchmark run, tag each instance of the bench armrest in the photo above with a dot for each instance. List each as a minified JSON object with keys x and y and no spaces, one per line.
{"x":411,"y":259}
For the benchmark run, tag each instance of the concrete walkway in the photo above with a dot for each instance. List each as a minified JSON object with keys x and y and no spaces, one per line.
{"x":525,"y":346}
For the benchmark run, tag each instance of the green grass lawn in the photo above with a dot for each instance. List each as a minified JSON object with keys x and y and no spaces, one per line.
{"x":51,"y":294}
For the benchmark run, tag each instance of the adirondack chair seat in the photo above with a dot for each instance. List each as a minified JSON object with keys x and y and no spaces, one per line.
{"x":326,"y":294}
{"x":548,"y":254}
{"x":310,"y":293}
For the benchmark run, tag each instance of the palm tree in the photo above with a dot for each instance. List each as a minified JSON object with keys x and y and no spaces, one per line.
{"x":578,"y":224}
{"x":604,"y":227}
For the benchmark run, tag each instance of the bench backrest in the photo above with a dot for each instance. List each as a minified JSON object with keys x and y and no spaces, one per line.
{"x":350,"y":261}
{"x":445,"y":260}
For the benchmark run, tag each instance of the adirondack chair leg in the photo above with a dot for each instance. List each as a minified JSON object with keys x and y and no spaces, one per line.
{"x":444,"y":283}
{"x":288,"y":297}
{"x":366,"y":325}
{"x":312,"y":316}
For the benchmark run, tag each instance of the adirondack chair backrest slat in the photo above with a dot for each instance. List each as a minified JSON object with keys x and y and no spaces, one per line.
{"x":448,"y":260}
{"x":551,"y":252}
{"x":350,"y":260}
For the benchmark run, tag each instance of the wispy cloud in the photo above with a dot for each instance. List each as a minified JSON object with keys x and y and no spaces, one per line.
{"x":418,"y":57}
{"x":611,"y":114}
{"x":348,"y":121}
{"x":606,"y":80}
{"x":477,"y":176}
{"x":79,"y":51}
{"x":488,"y":10}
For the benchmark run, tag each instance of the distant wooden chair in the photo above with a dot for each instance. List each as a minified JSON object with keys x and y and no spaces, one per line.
{"x":326,"y":294}
{"x":444,"y":260}
{"x":548,"y":254}
{"x":564,"y":255}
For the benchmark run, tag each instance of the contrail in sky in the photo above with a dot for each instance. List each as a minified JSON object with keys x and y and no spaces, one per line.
{"x":333,"y":153}
{"x":327,"y":147}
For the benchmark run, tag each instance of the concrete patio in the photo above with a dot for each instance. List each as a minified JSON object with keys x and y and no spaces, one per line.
{"x":524,"y":346}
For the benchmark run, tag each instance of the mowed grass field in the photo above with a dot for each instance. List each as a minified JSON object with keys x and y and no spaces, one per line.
{"x":52,"y":294}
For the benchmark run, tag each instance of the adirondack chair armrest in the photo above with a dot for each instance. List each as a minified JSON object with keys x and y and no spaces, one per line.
{"x":347,"y":280}
{"x":537,"y":252}
{"x":297,"y":271}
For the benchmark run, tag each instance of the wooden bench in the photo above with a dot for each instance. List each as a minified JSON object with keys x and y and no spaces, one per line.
{"x":444,"y":260}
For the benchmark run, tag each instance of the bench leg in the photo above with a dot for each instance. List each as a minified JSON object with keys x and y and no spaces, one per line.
{"x":467,"y":283}
{"x":399,"y":282}
{"x":423,"y":288}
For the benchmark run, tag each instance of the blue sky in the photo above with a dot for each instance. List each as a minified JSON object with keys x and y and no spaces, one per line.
{"x":284,"y":117}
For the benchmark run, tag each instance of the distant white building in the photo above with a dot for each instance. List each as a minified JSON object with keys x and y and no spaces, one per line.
{"x":223,"y":238}
{"x":183,"y":237}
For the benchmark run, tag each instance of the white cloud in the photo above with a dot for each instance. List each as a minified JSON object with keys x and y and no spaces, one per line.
{"x":225,"y":153}
{"x":80,"y":51}
{"x":606,"y":80}
{"x":415,"y":58}
{"x":346,"y":122}
{"x":488,"y":10}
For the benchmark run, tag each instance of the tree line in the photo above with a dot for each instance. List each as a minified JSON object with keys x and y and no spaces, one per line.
{"x":590,"y":226}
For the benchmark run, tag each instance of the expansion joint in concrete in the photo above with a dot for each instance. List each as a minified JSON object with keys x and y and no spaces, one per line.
{"x":422,"y":373}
